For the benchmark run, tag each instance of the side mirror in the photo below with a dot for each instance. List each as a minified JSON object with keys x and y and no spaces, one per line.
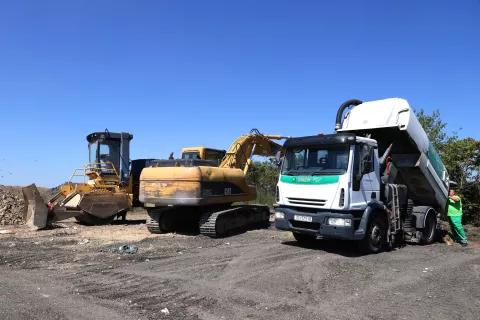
{"x":278,"y":159}
{"x":277,"y":156}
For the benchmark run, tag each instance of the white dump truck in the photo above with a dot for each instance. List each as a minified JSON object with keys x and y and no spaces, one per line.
{"x":378,"y":180}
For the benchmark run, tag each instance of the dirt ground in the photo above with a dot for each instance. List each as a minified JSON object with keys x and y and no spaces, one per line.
{"x":68,"y":273}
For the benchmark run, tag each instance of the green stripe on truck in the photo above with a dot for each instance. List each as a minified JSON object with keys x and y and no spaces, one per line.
{"x":310,"y":179}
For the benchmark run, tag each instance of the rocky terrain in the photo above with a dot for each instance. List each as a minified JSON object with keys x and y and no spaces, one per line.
{"x":11,"y":208}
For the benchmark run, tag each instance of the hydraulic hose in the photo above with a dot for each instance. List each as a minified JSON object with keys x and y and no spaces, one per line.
{"x":346,"y":104}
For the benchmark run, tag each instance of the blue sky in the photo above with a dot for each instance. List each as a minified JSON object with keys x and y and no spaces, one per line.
{"x":186,"y":73}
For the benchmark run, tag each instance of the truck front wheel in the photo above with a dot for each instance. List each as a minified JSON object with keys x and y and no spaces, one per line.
{"x":304,"y":239}
{"x":375,"y":237}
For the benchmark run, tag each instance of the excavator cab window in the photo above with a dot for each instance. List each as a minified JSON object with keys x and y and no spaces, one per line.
{"x":214,"y":155}
{"x":191,"y":155}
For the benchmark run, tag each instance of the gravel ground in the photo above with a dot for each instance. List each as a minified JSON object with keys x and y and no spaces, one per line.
{"x":261,"y":274}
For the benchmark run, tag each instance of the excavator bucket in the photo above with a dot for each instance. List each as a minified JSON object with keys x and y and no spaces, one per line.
{"x":35,"y":212}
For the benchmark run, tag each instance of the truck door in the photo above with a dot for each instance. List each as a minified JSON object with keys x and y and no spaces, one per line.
{"x":365,"y":186}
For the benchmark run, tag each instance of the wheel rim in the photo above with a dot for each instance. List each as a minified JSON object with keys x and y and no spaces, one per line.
{"x":430,"y":227}
{"x":376,"y":236}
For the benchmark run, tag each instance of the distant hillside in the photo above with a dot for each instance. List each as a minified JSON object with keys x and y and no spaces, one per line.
{"x":46,"y":193}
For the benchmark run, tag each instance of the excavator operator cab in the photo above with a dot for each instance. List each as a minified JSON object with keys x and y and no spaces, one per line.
{"x":203,"y":153}
{"x":107,"y":149}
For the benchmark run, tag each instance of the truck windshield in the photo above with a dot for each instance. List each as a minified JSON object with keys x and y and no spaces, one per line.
{"x":316,"y":160}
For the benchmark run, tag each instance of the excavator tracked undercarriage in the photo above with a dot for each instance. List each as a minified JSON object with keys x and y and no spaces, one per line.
{"x":208,"y":198}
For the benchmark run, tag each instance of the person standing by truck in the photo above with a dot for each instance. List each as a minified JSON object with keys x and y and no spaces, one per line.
{"x":454,"y":214}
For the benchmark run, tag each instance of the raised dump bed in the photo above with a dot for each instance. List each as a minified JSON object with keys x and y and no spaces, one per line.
{"x":392,"y":121}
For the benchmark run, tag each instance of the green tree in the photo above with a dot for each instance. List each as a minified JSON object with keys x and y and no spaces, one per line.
{"x":264,"y":176}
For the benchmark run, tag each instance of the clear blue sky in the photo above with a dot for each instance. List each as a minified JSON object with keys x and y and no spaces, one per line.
{"x":185,"y":73}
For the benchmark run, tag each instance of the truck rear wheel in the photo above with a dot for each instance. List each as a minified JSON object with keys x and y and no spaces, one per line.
{"x":430,"y":229}
{"x":375,"y":237}
{"x":304,"y":239}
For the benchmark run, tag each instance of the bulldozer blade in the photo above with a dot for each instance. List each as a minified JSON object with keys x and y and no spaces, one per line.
{"x":35,"y":212}
{"x":104,"y":205}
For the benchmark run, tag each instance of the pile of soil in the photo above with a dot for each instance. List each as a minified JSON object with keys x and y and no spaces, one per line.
{"x":11,"y":208}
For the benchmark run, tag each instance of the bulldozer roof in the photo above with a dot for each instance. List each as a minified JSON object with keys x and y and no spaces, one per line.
{"x":108,"y":135}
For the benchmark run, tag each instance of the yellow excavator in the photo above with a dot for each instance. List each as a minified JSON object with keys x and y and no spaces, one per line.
{"x":195,"y":193}
{"x":109,"y":186}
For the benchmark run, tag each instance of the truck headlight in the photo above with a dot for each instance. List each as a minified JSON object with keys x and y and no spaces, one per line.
{"x":279,"y":215}
{"x":339,"y":222}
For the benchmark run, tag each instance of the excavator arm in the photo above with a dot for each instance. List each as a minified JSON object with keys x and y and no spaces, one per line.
{"x":248,"y":145}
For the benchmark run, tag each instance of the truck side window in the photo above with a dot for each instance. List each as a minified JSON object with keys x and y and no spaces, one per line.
{"x":367,"y":159}
{"x":365,"y":155}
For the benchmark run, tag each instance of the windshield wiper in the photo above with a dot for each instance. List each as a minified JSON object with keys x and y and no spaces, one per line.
{"x":326,"y":173}
{"x":295,"y":173}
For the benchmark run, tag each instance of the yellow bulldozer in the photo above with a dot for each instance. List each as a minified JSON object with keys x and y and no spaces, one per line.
{"x":195,"y":193}
{"x":109,"y":185}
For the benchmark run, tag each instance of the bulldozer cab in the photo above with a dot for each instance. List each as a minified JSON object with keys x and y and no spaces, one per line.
{"x":109,"y":154}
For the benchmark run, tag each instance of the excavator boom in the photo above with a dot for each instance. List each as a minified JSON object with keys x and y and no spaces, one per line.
{"x":248,"y":145}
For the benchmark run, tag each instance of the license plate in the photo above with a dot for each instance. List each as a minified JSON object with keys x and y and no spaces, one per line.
{"x":302,"y":218}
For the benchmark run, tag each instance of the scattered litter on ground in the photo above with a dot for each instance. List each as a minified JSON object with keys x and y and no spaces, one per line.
{"x":84,"y":241}
{"x":165,"y":311}
{"x":124,"y":249}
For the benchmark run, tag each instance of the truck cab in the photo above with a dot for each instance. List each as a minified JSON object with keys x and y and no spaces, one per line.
{"x":326,"y":183}
{"x":377,"y":180}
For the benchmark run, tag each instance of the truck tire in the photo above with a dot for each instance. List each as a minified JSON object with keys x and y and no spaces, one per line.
{"x":304,"y":239}
{"x":376,"y":236}
{"x":430,"y":230}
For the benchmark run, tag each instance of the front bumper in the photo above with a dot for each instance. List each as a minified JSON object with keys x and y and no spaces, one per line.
{"x":318,"y":225}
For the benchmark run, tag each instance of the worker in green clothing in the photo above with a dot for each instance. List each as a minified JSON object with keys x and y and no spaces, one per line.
{"x":454,"y":214}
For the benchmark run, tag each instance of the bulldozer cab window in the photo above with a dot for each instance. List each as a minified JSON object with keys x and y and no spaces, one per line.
{"x":110,"y":152}
{"x":93,"y":151}
{"x":104,"y":153}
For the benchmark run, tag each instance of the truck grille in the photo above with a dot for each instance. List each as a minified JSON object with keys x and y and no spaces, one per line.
{"x":311,"y":202}
{"x":305,"y":225}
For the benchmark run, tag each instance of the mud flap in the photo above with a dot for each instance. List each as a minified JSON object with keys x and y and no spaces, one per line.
{"x":104,"y":205}
{"x":35,"y":212}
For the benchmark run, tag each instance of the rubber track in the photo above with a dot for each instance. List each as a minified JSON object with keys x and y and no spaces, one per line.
{"x":207,"y":223}
{"x":153,"y":224}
